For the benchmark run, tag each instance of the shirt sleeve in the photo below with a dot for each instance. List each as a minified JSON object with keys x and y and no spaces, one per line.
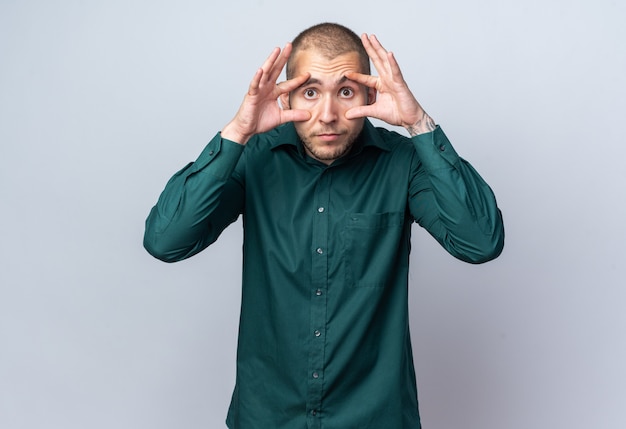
{"x":452,"y":202}
{"x":197,"y":203}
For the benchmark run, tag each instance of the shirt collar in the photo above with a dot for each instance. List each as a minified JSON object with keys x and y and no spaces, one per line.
{"x":287,"y":136}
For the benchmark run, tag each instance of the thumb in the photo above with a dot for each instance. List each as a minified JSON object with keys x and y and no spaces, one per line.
{"x":359,"y":112}
{"x":295,"y":116}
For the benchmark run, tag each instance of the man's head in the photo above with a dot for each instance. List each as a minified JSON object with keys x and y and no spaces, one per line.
{"x":327,"y":52}
{"x":331,"y":40}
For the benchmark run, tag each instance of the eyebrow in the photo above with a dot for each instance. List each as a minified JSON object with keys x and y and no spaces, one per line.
{"x":315,"y":81}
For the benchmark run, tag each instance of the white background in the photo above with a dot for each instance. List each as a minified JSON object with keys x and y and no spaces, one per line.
{"x":102,"y":101}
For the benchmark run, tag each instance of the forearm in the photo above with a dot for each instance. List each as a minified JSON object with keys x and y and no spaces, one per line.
{"x":191,"y":211}
{"x":469,"y":225}
{"x":462,"y":212}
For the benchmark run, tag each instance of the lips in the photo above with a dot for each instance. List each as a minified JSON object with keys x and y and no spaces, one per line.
{"x":328,"y":137}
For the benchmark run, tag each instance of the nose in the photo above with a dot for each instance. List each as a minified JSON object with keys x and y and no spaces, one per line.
{"x":328,"y":112}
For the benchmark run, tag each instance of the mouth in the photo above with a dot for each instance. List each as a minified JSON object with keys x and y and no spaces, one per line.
{"x":329,"y":137}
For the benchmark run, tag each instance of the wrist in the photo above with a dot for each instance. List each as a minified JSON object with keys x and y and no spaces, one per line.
{"x":424,"y":125}
{"x":232,"y":132}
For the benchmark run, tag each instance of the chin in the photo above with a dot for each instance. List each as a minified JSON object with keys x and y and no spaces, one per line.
{"x":331,"y":153}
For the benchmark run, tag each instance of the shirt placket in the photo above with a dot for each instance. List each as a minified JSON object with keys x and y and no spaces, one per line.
{"x":318,"y":296}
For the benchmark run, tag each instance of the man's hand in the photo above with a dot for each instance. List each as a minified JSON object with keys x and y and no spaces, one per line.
{"x":260,"y":111}
{"x":395,"y":104}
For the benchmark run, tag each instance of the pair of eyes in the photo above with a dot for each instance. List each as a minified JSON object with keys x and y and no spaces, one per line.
{"x":312,"y":93}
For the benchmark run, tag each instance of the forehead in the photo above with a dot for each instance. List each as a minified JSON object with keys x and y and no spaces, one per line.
{"x":319,"y":65}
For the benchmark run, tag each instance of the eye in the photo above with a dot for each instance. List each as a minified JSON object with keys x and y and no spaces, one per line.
{"x":310,"y":94}
{"x":346,"y":92}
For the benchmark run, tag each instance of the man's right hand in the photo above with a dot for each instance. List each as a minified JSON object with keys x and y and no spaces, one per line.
{"x":260,"y":112}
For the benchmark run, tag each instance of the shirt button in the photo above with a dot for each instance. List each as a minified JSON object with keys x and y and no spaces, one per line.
{"x":320,"y":209}
{"x":313,"y":412}
{"x":317,"y":333}
{"x":318,"y":292}
{"x":211,"y":152}
{"x":442,"y":148}
{"x":319,"y":250}
{"x":316,"y":375}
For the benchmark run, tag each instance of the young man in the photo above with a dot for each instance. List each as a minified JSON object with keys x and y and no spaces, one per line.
{"x":327,"y":202}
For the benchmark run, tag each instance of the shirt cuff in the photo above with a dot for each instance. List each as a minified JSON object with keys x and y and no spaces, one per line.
{"x":219,"y":157}
{"x":435,"y":150}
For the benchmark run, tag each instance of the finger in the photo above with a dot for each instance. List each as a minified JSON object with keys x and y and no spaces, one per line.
{"x":295,"y":116}
{"x":378,"y":47}
{"x":389,"y":58}
{"x":254,"y":84}
{"x":384,"y":61}
{"x":364,"y":79}
{"x":375,"y":51}
{"x":293,"y":83}
{"x":279,"y":63}
{"x":394,"y":67}
{"x":270,"y":61}
{"x":360,"y":112}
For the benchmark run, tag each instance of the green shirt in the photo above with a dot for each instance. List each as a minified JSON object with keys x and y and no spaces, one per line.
{"x":324,"y":333}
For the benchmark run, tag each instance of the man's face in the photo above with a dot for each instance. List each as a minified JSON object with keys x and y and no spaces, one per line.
{"x":327,"y":94}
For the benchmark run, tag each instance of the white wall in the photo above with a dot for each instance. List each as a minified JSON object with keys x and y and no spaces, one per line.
{"x":100,"y":102}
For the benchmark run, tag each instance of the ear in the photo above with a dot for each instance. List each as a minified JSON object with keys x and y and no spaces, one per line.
{"x":371,"y":95}
{"x":284,"y":101}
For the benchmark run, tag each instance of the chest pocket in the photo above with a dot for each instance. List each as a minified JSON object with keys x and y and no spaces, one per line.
{"x":371,"y":246}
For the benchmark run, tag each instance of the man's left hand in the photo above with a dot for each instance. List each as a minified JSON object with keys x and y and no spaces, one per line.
{"x":395,"y":103}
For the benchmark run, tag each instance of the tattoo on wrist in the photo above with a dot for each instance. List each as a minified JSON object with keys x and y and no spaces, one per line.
{"x":424,"y":125}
